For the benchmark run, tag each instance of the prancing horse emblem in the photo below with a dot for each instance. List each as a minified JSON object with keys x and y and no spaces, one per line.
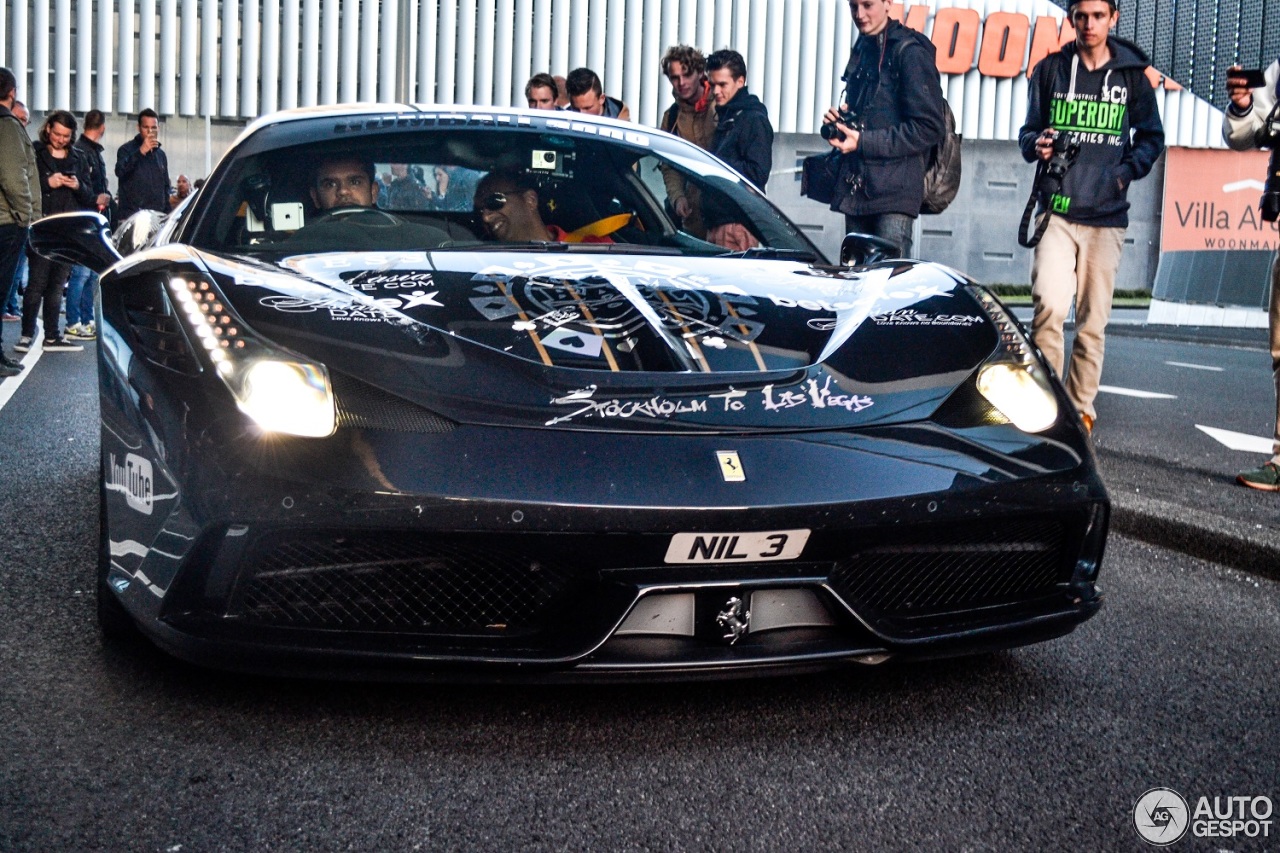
{"x":731,"y":466}
{"x":734,"y":619}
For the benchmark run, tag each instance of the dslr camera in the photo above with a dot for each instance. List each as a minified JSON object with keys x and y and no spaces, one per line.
{"x":1065,"y":152}
{"x":848,"y":118}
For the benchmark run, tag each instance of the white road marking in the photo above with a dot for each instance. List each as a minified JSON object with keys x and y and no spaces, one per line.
{"x":9,"y":385}
{"x":1238,"y":440}
{"x":1194,"y":366}
{"x":1134,"y":392}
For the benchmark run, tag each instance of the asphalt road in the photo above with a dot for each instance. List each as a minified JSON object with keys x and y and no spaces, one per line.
{"x":1046,"y":747}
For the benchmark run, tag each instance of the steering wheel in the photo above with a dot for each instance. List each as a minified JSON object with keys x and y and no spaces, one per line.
{"x":348,"y":210}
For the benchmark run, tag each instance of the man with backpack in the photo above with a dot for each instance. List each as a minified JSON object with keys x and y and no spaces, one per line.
{"x":1093,"y":127}
{"x":892,"y":117}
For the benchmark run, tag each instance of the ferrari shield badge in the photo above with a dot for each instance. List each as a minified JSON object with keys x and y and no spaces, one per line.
{"x":731,"y":466}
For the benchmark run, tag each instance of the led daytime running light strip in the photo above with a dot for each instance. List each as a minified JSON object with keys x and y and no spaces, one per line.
{"x":1012,"y":343}
{"x":214,"y":327}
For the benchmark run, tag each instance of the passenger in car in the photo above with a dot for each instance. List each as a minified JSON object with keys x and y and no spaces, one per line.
{"x":508,"y":209}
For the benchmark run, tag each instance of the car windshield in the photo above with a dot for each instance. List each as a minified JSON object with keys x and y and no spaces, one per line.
{"x":555,"y":187}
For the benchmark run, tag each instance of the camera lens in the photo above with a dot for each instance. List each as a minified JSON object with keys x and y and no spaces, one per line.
{"x":830,"y":131}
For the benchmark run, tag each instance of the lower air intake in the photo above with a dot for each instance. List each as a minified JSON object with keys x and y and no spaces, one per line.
{"x":398,"y":584}
{"x":951,"y":577}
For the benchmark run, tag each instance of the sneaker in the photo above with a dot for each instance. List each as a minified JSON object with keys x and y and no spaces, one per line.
{"x":5,"y":361}
{"x":1088,"y":420}
{"x":23,"y":344}
{"x":83,"y":331}
{"x":62,"y":345}
{"x":1266,"y":477}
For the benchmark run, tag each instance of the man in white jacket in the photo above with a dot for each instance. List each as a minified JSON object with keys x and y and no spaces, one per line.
{"x":1252,"y":120}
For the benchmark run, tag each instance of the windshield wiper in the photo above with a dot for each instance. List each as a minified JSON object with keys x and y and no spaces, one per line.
{"x":553,"y":246}
{"x":771,"y":252}
{"x":486,"y":246}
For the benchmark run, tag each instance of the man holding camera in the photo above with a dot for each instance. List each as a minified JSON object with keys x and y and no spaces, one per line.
{"x":891,"y":117}
{"x":1252,"y":120}
{"x":1093,"y":94}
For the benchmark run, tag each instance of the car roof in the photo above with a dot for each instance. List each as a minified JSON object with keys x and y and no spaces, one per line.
{"x":467,"y":114}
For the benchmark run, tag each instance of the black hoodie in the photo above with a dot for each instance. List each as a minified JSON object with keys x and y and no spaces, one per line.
{"x":744,"y":137}
{"x":1112,"y":113}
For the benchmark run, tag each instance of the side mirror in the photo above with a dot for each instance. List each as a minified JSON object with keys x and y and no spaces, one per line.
{"x":136,"y":231}
{"x":857,"y":249}
{"x":82,"y":238}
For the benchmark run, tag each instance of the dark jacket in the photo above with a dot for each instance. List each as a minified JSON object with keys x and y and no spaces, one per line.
{"x":19,"y":176}
{"x":92,"y":152}
{"x":613,"y":108}
{"x":892,"y":84}
{"x":744,"y":137}
{"x":144,"y":179}
{"x":1111,"y":113}
{"x":64,"y":199}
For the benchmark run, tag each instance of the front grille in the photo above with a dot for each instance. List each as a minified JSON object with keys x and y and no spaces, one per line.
{"x":405,"y":584}
{"x":939,"y":578}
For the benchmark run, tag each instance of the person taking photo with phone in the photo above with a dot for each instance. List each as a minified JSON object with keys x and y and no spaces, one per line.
{"x":143,"y":170}
{"x":1252,"y":120}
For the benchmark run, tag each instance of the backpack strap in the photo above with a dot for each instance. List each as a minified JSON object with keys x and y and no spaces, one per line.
{"x":669,"y":119}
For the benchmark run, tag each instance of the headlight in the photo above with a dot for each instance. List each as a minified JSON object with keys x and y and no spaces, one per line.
{"x":282,"y":393}
{"x":288,"y":396}
{"x":1013,"y":379}
{"x":1020,"y":393}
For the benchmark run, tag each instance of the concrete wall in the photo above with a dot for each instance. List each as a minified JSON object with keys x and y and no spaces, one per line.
{"x":978,"y":233}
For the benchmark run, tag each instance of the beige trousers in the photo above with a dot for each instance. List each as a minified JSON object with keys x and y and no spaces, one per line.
{"x":1075,"y":263}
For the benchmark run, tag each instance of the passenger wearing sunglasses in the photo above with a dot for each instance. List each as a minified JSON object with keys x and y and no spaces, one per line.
{"x":509,"y":213}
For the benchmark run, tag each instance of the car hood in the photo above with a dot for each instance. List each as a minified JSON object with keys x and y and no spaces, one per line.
{"x":585,"y":340}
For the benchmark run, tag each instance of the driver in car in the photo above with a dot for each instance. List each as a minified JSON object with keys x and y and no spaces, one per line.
{"x":509,"y":213}
{"x":344,"y":182}
{"x":345,"y":192}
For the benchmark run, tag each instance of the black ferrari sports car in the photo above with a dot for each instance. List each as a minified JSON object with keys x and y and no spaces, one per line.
{"x":456,"y":393}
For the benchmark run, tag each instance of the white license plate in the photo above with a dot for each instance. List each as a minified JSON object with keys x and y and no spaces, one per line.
{"x":736,"y":547}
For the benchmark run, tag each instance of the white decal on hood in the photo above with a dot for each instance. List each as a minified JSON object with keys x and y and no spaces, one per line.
{"x":808,"y":393}
{"x":910,"y":317}
{"x":815,"y":396}
{"x":575,"y":342}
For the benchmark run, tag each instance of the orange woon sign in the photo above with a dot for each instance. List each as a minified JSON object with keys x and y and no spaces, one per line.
{"x":999,"y":44}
